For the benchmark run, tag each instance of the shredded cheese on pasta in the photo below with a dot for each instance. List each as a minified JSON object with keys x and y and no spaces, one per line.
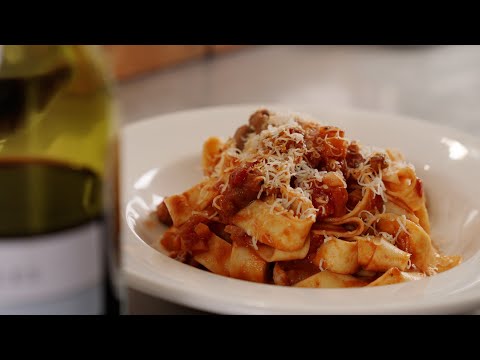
{"x":279,"y":153}
{"x":282,"y":178}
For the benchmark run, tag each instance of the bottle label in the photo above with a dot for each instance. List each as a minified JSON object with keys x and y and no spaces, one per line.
{"x":58,"y":273}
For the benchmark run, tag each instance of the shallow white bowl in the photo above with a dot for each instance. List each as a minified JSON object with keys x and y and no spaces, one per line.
{"x":161,"y":156}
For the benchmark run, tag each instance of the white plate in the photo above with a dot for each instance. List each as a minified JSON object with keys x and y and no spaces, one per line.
{"x":161,"y":156}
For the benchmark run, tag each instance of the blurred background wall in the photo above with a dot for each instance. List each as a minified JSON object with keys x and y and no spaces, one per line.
{"x":437,"y":83}
{"x":134,"y":60}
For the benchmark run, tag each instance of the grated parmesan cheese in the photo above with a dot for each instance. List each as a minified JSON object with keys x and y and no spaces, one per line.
{"x":320,"y":265}
{"x":327,"y":238}
{"x":254,"y":243}
{"x":402,"y":221}
{"x":280,"y":154}
{"x":388,"y":237}
{"x":214,"y":202}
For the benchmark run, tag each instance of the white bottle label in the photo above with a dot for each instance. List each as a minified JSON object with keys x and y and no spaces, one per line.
{"x":59,"y":273}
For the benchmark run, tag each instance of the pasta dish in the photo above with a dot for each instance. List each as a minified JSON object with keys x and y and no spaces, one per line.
{"x":292,"y":202}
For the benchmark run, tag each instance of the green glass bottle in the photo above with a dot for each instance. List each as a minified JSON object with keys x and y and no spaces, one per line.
{"x":59,"y":214}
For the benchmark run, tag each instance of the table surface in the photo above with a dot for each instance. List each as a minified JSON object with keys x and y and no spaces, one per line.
{"x":440,"y":84}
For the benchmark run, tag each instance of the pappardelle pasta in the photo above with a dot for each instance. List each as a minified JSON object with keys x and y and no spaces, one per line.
{"x":291,"y":202}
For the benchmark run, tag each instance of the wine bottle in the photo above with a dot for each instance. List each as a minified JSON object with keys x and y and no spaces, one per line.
{"x":59,"y":213}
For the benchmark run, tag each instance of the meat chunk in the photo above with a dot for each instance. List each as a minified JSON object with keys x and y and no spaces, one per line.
{"x":259,"y":120}
{"x":163,"y":214}
{"x":241,"y":136}
{"x":354,"y":158}
{"x":243,"y":187}
{"x":238,"y":235}
{"x":378,"y":162}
